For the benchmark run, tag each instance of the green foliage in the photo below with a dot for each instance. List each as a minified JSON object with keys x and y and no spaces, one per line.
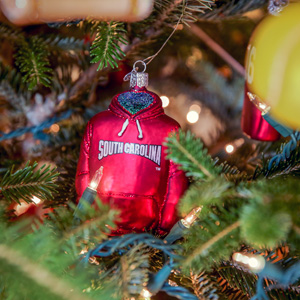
{"x":231,"y":8}
{"x":44,"y":263}
{"x":187,"y":10}
{"x":9,"y":33}
{"x":287,"y":167}
{"x":28,"y":182}
{"x":271,"y":212}
{"x":129,"y":273}
{"x":187,"y":151}
{"x":238,"y":282}
{"x":105,"y":48}
{"x":212,"y":239}
{"x":12,"y":89}
{"x":203,"y":286}
{"x":32,"y":59}
{"x":263,"y":227}
{"x":206,"y":194}
{"x":216,"y":89}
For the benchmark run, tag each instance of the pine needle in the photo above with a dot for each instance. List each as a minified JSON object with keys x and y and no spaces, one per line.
{"x":26,"y":183}
{"x":105,"y":48}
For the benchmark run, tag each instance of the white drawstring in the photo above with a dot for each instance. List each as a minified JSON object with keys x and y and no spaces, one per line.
{"x":125,"y":124}
{"x":140,"y":136}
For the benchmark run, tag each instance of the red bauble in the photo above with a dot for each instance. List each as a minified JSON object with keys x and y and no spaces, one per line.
{"x":254,"y":125}
{"x":128,"y":141}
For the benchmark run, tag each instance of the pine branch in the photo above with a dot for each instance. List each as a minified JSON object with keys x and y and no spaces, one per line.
{"x":205,"y":194}
{"x":105,"y":48}
{"x":132,"y":272}
{"x":240,"y":281}
{"x":9,"y":33}
{"x":56,"y":249}
{"x":57,"y":42}
{"x":202,"y":250}
{"x":40,"y":275}
{"x":187,"y":151}
{"x":214,"y":83}
{"x":32,"y":59}
{"x":12,"y":89}
{"x":203,"y":287}
{"x":237,"y":281}
{"x":26,"y":183}
{"x":232,"y":8}
{"x":171,"y":10}
{"x":268,"y":217}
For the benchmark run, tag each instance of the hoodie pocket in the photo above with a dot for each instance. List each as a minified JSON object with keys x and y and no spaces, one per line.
{"x":137,"y":212}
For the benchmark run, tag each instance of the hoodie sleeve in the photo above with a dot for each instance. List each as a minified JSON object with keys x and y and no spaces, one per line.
{"x":177,"y":185}
{"x":82,"y":174}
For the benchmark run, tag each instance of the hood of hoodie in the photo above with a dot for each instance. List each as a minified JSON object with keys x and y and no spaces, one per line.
{"x":155,"y":109}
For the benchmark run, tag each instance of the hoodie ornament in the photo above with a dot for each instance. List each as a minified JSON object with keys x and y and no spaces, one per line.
{"x":127,"y":140}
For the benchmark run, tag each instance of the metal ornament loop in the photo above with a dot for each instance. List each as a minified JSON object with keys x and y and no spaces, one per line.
{"x":142,"y":62}
{"x":137,"y":79}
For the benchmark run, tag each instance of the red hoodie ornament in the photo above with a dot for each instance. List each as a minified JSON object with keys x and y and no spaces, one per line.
{"x":128,"y":141}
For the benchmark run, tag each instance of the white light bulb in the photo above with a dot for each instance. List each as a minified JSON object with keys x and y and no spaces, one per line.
{"x":36,"y":200}
{"x":245,"y":260}
{"x":237,"y":257}
{"x":165,"y":101}
{"x":21,"y":208}
{"x":229,"y":148}
{"x":146,"y":294}
{"x":93,"y":185}
{"x":192,"y":116}
{"x":253,"y":262}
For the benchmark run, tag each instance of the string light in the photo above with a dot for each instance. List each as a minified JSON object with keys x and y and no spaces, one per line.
{"x":229,"y":148}
{"x":191,"y":217}
{"x":21,"y":208}
{"x":192,"y":116}
{"x":165,"y":101}
{"x":54,"y":128}
{"x":182,"y":226}
{"x":36,"y":200}
{"x":258,"y":103}
{"x":146,"y":294}
{"x":96,"y":179}
{"x":254,"y":262}
{"x":84,"y":250}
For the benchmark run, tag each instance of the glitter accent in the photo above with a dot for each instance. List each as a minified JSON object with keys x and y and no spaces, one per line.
{"x":135,"y":102}
{"x":275,"y":7}
{"x":139,"y":79}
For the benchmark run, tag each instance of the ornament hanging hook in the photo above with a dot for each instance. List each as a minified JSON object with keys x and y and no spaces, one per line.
{"x":143,"y":63}
{"x":137,"y":79}
{"x":135,"y":70}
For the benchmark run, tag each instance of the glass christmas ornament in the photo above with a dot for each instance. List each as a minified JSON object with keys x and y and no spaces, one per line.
{"x":128,"y":141}
{"x":254,"y":125}
{"x":273,"y":65}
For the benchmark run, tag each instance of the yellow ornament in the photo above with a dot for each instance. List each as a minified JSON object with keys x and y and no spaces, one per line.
{"x":273,"y":65}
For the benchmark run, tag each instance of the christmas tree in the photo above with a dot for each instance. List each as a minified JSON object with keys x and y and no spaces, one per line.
{"x":238,"y":236}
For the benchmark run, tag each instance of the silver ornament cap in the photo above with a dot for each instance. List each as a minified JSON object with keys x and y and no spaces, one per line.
{"x":137,"y":79}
